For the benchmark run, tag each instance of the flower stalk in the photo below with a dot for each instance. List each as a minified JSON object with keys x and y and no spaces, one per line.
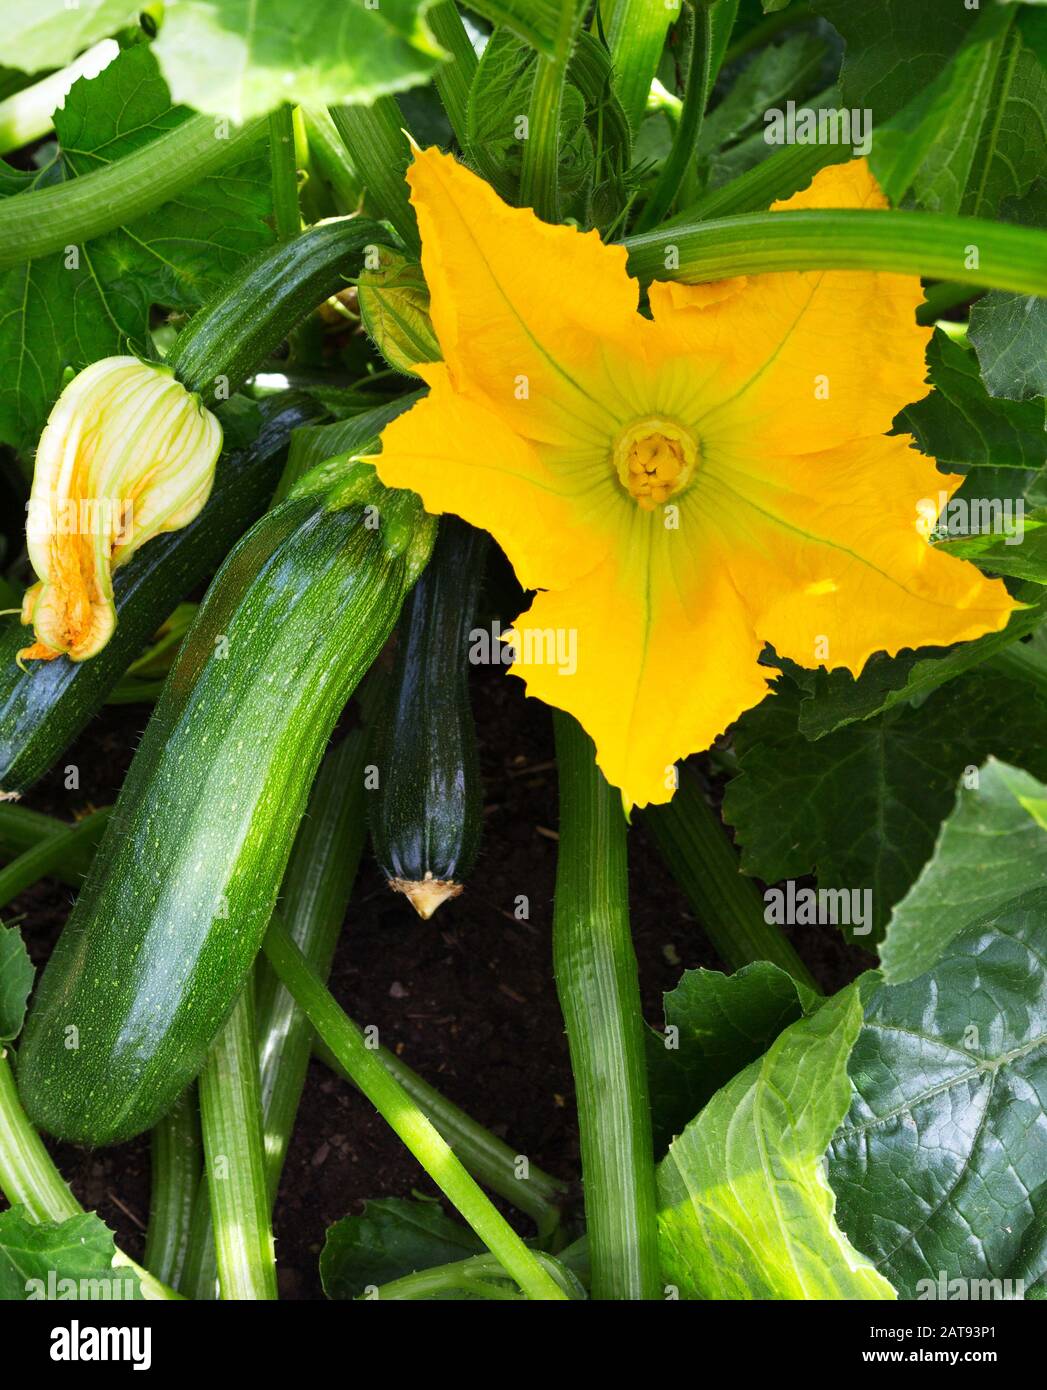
{"x":599,"y":993}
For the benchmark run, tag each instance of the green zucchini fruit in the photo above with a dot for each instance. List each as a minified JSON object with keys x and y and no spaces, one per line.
{"x":184,"y":882}
{"x":45,"y":706}
{"x":426,"y":809}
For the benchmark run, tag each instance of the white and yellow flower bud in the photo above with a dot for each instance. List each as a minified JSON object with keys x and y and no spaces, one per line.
{"x":127,"y":453}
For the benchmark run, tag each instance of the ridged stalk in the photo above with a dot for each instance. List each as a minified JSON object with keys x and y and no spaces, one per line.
{"x":599,"y":993}
{"x":695,"y":847}
{"x":176,"y":1163}
{"x":46,"y":220}
{"x":999,"y":255}
{"x":380,"y":153}
{"x":231,"y":1116}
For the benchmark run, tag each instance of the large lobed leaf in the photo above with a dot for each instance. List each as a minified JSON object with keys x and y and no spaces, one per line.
{"x":61,"y":1260}
{"x":745,"y":1211}
{"x":69,"y":309}
{"x":939,"y":1167}
{"x":991,"y":853}
{"x":240,"y":59}
{"x":861,"y":807}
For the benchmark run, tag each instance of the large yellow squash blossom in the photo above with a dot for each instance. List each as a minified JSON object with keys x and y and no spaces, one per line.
{"x":127,"y":453}
{"x":683,"y":489}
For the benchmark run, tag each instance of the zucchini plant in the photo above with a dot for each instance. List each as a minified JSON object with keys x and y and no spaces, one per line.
{"x":641,"y":404}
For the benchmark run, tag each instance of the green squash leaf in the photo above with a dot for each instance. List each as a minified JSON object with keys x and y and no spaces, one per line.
{"x":977,"y":135}
{"x":16,"y":980}
{"x":895,"y":49}
{"x":744,"y":1208}
{"x":715,"y":1025}
{"x":961,"y":426}
{"x":66,"y":1260}
{"x":861,"y":807}
{"x":1009,"y":331}
{"x":393,"y":1237}
{"x":50,"y":33}
{"x":939,"y":1166}
{"x":836,"y":698}
{"x":992,"y":850}
{"x":238,"y":59}
{"x":67,"y":310}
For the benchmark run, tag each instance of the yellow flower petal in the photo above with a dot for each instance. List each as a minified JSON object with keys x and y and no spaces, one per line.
{"x":460,"y":456}
{"x":806,"y":360}
{"x":682,"y":490}
{"x":525,"y":312}
{"x":653,"y":652}
{"x":830,"y":552}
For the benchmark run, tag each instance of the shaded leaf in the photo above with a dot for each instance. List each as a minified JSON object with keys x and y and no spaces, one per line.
{"x":64,"y":1260}
{"x":16,"y":980}
{"x":837,"y":698}
{"x":721,"y":1023}
{"x":939,"y":1166}
{"x":393,"y":1237}
{"x":861,"y":807}
{"x":744,"y":1208}
{"x":1009,"y":331}
{"x":70,"y":309}
{"x":992,"y":851}
{"x":236,"y":58}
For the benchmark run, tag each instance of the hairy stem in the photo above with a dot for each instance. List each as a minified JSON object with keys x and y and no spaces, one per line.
{"x":599,"y":995}
{"x":231,"y":1111}
{"x":694,"y":845}
{"x":176,"y":1164}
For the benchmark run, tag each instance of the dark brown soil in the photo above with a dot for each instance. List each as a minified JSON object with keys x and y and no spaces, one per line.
{"x":467,"y":999}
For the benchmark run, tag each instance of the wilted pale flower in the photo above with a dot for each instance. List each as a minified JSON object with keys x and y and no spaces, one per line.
{"x":127,"y":453}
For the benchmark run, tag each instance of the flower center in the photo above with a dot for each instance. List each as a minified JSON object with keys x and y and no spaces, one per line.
{"x":654,"y":459}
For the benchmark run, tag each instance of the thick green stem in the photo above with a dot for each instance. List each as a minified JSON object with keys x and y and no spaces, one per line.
{"x":284,"y":174}
{"x":540,"y":169}
{"x":327,"y":153}
{"x":49,"y":219}
{"x":231,"y":1112}
{"x":453,"y":79}
{"x":777,"y":176}
{"x":1000,"y":255}
{"x":713,"y":24}
{"x":380,"y":153}
{"x":176,"y":1162}
{"x":52,"y":855}
{"x":636,"y":35}
{"x":22,"y":829}
{"x":489,"y":1159}
{"x":405,"y":1118}
{"x":29,"y":1178}
{"x":599,"y":994}
{"x":728,"y":905}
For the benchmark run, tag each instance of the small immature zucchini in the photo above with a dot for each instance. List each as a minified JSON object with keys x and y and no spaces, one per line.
{"x":426,"y":810}
{"x":44,"y":706}
{"x":182,"y":887}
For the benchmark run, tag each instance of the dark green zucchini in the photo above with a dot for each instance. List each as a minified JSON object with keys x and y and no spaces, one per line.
{"x":44,"y":707}
{"x":181,"y":890}
{"x":426,"y":809}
